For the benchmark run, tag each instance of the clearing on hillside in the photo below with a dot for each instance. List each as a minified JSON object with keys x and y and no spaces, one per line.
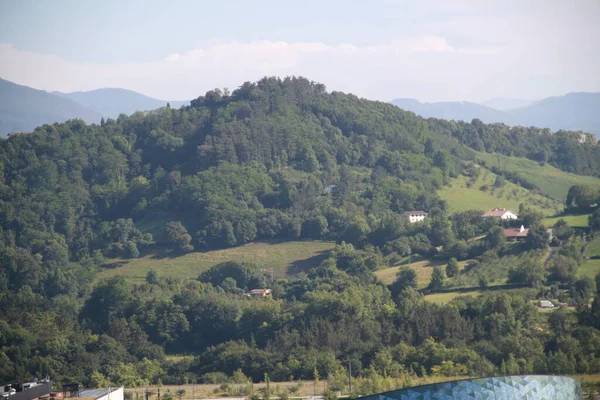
{"x":480,"y":194}
{"x":284,"y":258}
{"x":574,"y":220}
{"x":424,"y":269}
{"x":446,"y":297}
{"x":550,"y":180}
{"x":591,"y":267}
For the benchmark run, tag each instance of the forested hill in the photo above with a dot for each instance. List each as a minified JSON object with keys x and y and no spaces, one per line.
{"x":275,"y":159}
{"x":249,"y":165}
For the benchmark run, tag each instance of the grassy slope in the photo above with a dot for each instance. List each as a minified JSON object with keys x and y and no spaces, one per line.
{"x":550,"y":180}
{"x":284,"y":258}
{"x":576,"y":221}
{"x":424,"y":269}
{"x":443,"y":298}
{"x":462,"y":198}
{"x":592,"y":266}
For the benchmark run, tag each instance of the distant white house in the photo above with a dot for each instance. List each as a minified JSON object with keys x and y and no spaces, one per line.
{"x":415,"y":216}
{"x":330,"y":189}
{"x":500,"y":213}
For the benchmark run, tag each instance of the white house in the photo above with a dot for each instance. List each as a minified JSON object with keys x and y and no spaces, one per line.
{"x":415,"y":216}
{"x":500,"y":213}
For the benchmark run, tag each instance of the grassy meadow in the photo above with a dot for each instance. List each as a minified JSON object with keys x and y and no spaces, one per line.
{"x":423,"y":268}
{"x":283,"y":258}
{"x":464,"y":194}
{"x":550,"y":180}
{"x":446,"y":297}
{"x":591,"y":267}
{"x":574,"y":220}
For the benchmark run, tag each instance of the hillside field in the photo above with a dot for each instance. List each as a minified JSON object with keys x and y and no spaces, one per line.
{"x":550,"y":180}
{"x":283,"y":257}
{"x":574,"y":220}
{"x":423,"y":268}
{"x":464,"y":195}
{"x":591,"y":267}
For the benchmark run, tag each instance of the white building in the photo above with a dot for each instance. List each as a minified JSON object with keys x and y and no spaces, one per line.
{"x":545,"y":304}
{"x":500,"y":213}
{"x":415,"y":216}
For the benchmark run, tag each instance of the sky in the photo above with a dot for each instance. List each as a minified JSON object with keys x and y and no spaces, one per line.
{"x":431,"y":50}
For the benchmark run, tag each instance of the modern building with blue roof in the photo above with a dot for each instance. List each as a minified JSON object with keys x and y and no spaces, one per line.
{"x":521,"y":387}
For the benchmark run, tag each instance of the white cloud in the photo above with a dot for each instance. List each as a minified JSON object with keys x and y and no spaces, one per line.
{"x":426,"y":67}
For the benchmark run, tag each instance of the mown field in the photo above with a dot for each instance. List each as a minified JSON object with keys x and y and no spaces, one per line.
{"x":550,"y":180}
{"x":464,"y":195}
{"x":574,"y":220}
{"x":423,"y":268}
{"x":443,"y":298}
{"x":591,"y":267}
{"x":283,"y":258}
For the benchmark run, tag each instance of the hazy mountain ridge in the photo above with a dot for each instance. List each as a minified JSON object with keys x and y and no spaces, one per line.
{"x":110,"y":102}
{"x":23,"y":108}
{"x":506,"y":103}
{"x":573,"y":111}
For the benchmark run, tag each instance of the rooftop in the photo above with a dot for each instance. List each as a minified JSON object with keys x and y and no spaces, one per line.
{"x":497,"y":212}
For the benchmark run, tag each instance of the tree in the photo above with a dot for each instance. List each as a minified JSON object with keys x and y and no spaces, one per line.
{"x":581,"y":197}
{"x":562,"y":230}
{"x":315,"y":228}
{"x":537,"y":238}
{"x":452,"y":268}
{"x":178,"y":236}
{"x":530,"y":272}
{"x":499,"y":182}
{"x":437,"y":279}
{"x":594,"y":220}
{"x":495,"y":239}
{"x":406,"y":277}
{"x":152,"y":277}
{"x":565,"y":268}
{"x":583,"y":290}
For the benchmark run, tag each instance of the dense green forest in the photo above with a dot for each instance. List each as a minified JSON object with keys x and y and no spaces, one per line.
{"x":278,"y":160}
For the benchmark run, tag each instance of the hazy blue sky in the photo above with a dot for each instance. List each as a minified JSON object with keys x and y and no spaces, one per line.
{"x":434,"y":50}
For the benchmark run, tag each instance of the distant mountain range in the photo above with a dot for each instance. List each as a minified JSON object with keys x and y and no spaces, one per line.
{"x":22,"y":108}
{"x":504,"y":103}
{"x":112,"y":102}
{"x":573,"y":111}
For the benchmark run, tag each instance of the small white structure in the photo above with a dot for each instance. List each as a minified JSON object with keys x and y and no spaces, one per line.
{"x":500,"y":213}
{"x":260,"y":292}
{"x":415,"y":216}
{"x":330,"y":189}
{"x":545,"y":304}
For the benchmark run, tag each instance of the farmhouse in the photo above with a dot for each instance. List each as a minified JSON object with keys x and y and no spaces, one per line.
{"x":415,"y":216}
{"x":516,"y":234}
{"x":500,"y":213}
